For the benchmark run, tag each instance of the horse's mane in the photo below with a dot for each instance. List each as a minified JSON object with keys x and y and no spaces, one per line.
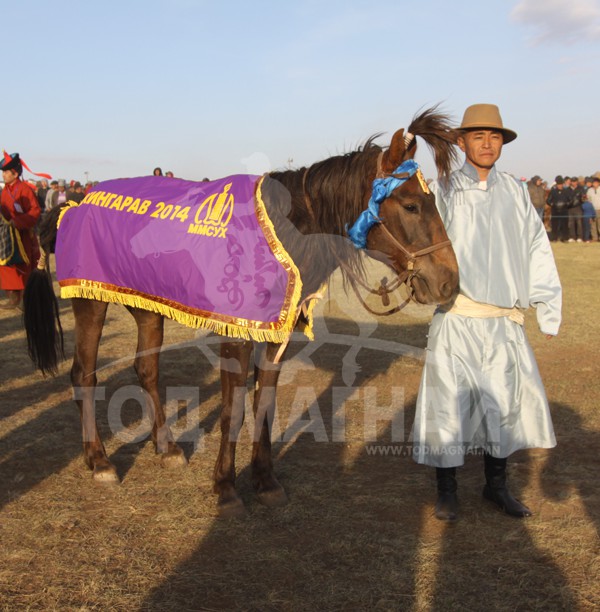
{"x":334,"y":191}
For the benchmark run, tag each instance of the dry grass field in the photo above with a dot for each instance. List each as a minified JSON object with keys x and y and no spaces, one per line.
{"x":359,"y":531}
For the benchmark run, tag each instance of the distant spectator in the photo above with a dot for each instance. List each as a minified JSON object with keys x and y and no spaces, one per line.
{"x":41,"y":193}
{"x":588,"y":217}
{"x":559,"y":199}
{"x":62,"y":194}
{"x":537,"y":195}
{"x":52,"y":196}
{"x":76,"y":194}
{"x":547,"y":209}
{"x":169,"y":174}
{"x":157,"y":172}
{"x":575,"y":211}
{"x":593,"y":196}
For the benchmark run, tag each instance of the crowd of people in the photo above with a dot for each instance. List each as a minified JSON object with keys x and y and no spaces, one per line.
{"x":50,"y":194}
{"x":570,"y":208}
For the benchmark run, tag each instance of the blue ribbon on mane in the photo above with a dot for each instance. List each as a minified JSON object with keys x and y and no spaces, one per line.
{"x":382,"y":189}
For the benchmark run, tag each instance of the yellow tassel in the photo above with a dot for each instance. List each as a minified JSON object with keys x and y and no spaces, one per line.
{"x":284,"y":258}
{"x":189,"y":320}
{"x":70,"y":204}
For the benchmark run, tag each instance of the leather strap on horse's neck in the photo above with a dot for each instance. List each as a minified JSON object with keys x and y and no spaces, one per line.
{"x":404,"y":277}
{"x":410,"y":256}
{"x":382,"y":291}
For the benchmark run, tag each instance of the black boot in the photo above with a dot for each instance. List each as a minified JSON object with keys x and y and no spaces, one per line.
{"x":446,"y":508}
{"x":496,"y":491}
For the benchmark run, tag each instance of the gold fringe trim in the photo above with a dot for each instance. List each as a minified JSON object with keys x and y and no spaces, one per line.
{"x":223,"y":328}
{"x":308,"y":328}
{"x":70,"y":204}
{"x":294,"y":289}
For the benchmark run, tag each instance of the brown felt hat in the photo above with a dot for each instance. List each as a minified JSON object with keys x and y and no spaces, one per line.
{"x":486,"y":116}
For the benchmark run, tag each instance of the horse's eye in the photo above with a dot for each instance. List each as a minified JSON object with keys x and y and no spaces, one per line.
{"x":411,"y":208}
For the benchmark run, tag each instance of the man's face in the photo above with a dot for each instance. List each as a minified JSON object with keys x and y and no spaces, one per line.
{"x":9,"y":176}
{"x":482,"y":147}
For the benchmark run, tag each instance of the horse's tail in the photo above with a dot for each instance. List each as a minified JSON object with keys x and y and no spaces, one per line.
{"x":40,"y":306}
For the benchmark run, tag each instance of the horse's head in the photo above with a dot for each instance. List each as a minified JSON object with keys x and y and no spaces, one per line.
{"x":410,"y":235}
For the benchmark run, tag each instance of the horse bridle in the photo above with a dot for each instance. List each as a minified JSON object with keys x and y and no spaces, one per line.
{"x":404,"y":277}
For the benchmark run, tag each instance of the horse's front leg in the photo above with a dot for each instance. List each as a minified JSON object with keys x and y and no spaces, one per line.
{"x":269,"y":490}
{"x":150,"y":338}
{"x":89,"y":320}
{"x":235,"y":357}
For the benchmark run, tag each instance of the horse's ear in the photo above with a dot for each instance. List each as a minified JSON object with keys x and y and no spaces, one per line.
{"x":397,"y":153}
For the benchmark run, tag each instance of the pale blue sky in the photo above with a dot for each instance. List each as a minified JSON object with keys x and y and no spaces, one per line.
{"x":207,"y":88}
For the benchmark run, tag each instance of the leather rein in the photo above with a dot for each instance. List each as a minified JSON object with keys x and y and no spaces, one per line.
{"x":404,"y":277}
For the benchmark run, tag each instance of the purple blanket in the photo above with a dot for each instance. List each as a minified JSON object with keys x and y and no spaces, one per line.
{"x":204,"y":254}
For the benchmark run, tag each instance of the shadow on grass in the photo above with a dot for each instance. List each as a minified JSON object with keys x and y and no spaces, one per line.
{"x":360,"y":534}
{"x":45,"y":444}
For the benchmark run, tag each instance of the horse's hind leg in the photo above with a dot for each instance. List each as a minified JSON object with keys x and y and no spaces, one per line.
{"x":235,"y":357}
{"x":269,"y":490}
{"x":150,"y":338}
{"x":89,"y":320}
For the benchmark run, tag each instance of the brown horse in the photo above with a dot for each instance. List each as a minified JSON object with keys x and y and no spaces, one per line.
{"x":310,"y":209}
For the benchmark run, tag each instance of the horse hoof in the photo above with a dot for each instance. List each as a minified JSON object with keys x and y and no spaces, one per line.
{"x":105,"y":474}
{"x":231,"y":509}
{"x":174,"y":460}
{"x":274,"y":498}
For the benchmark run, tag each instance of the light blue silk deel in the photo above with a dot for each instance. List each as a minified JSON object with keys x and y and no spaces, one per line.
{"x":481,"y":388}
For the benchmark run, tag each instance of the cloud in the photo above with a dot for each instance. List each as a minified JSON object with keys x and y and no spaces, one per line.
{"x":560,"y":21}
